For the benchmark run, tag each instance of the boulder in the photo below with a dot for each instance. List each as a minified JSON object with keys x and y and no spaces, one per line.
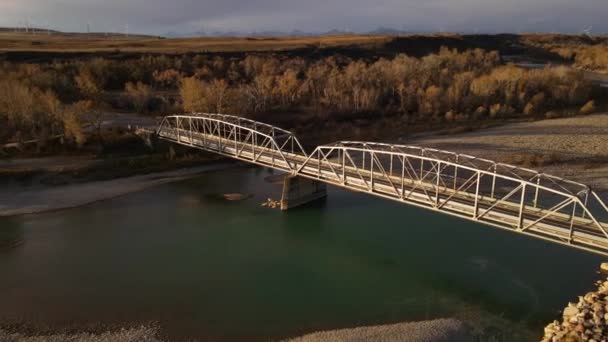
{"x":570,"y":311}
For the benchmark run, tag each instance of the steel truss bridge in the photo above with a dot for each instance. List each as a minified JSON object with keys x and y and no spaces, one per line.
{"x":517,"y":199}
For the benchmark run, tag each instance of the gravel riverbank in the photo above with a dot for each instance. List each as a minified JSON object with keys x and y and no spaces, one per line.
{"x":19,"y":200}
{"x":142,"y":334}
{"x":439,"y":330}
{"x":578,"y":144}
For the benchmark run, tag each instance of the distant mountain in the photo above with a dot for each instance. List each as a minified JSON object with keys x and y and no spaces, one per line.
{"x":173,"y":34}
{"x":42,"y":31}
{"x":387,"y":30}
{"x":270,"y":33}
{"x":23,"y":29}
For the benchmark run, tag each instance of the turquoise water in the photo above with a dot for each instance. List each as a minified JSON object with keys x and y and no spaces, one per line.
{"x":217,"y":270}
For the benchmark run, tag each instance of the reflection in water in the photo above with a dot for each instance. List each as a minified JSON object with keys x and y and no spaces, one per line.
{"x":11,"y":236}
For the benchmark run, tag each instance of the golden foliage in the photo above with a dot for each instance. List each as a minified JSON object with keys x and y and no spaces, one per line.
{"x":588,"y":108}
{"x":191,"y":92}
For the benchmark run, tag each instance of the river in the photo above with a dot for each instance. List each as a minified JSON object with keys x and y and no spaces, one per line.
{"x":208,"y":268}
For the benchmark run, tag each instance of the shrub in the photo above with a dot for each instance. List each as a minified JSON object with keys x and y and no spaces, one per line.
{"x":168,"y":78}
{"x":450,"y":116}
{"x":529,"y":110}
{"x":140,"y":96}
{"x":588,"y":108}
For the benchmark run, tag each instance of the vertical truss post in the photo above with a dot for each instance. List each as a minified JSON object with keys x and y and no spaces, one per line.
{"x":236,"y":133}
{"x":277,"y":147}
{"x":343,"y":166}
{"x":191,"y":140}
{"x":204,"y":130}
{"x":572,"y":221}
{"x":254,"y":142}
{"x":520,"y":223}
{"x":179,"y":139}
{"x":536,"y":191}
{"x":455,"y":173}
{"x":476,"y":207}
{"x":437,"y":184}
{"x":319,"y":163}
{"x":363,"y":166}
{"x":219,"y":131}
{"x":493,"y":181}
{"x":371,"y":169}
{"x":586,"y":198}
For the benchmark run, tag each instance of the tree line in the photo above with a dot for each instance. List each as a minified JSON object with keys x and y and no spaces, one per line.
{"x":70,"y":97}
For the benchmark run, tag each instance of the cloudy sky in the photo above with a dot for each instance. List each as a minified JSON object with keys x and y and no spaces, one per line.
{"x":162,"y":16}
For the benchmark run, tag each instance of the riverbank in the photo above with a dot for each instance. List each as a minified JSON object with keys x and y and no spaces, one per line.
{"x":574,"y":148}
{"x":439,"y":330}
{"x":19,"y":200}
{"x":141,"y":334}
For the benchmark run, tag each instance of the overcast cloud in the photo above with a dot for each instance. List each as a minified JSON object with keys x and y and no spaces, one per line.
{"x":162,"y":16}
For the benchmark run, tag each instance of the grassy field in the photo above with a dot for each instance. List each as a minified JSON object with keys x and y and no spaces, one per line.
{"x":412,"y":44}
{"x":58,"y":42}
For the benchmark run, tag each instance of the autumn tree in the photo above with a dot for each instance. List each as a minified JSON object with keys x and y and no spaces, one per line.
{"x":215,"y":93}
{"x":287,"y":88}
{"x":92,"y":92}
{"x":191,"y":91}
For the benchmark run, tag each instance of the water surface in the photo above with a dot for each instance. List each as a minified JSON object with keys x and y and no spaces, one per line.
{"x":207,"y":268}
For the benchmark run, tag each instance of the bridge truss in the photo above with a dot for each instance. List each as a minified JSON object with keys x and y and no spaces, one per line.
{"x":501,"y":195}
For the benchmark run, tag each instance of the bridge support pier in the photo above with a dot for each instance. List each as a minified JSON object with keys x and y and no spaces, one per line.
{"x":298,"y":191}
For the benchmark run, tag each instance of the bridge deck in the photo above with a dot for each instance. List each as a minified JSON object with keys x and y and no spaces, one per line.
{"x":582,"y":231}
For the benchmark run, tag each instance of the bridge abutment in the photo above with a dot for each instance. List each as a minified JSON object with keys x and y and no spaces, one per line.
{"x":299,"y":191}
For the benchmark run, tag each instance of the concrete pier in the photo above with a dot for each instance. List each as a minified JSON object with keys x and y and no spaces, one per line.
{"x":298,"y":191}
{"x":148,"y":136}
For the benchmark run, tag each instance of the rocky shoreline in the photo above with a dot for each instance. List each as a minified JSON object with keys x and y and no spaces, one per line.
{"x":586,"y":320}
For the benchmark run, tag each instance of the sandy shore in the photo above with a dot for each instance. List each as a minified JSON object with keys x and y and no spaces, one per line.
{"x":19,"y":200}
{"x":440,"y":330}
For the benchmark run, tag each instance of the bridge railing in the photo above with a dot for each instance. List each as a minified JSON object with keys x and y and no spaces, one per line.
{"x":234,"y":137}
{"x":499,"y":194}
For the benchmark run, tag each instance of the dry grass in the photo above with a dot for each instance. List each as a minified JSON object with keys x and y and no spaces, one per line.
{"x":142,"y":44}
